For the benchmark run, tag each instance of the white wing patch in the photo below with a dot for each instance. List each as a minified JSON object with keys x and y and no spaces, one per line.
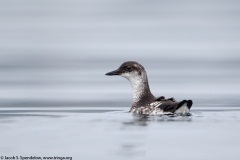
{"x":156,"y":104}
{"x":183,"y":109}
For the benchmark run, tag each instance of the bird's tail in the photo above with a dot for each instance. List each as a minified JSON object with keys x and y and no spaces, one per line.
{"x":183,"y":107}
{"x":188,"y":103}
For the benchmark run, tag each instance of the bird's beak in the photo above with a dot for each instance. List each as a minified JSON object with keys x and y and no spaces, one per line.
{"x":113,"y":73}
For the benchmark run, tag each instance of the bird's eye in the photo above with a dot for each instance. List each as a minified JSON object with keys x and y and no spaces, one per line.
{"x":129,"y":68}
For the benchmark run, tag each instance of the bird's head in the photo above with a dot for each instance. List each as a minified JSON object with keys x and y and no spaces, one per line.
{"x":130,"y":70}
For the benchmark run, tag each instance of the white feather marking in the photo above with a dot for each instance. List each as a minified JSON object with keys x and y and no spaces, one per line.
{"x":156,"y":104}
{"x":136,"y":81}
{"x":183,"y":109}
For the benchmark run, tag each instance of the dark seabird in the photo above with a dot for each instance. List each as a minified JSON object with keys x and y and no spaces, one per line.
{"x":143,"y":100}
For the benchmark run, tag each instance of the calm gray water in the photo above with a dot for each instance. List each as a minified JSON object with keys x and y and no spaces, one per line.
{"x":56,"y":101}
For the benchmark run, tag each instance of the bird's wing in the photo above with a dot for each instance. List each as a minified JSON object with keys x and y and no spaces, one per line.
{"x":168,"y":106}
{"x":171,"y":106}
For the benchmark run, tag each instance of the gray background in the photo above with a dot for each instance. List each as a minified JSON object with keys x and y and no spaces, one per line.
{"x":57,"y":52}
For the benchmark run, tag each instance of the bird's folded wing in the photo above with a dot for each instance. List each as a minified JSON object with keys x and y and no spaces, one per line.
{"x":168,"y":106}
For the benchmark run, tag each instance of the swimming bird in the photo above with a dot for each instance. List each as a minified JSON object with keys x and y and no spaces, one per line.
{"x":144,"y":102}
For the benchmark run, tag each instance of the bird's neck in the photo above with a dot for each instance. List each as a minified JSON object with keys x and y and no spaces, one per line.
{"x":140,"y":88}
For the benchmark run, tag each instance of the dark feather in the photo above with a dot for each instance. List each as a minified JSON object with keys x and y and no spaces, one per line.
{"x":160,"y":98}
{"x":172,"y":106}
{"x":168,"y":106}
{"x":189,"y":103}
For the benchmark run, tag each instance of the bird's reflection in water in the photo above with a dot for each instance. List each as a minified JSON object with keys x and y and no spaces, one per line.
{"x":144,"y":120}
{"x":135,"y":142}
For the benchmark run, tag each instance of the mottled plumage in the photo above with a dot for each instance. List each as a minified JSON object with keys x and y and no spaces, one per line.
{"x":143,"y":100}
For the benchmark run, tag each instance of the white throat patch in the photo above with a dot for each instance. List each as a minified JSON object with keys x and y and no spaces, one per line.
{"x":137,"y":83}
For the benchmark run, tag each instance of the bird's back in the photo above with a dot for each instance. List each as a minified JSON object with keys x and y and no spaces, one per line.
{"x":161,"y":106}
